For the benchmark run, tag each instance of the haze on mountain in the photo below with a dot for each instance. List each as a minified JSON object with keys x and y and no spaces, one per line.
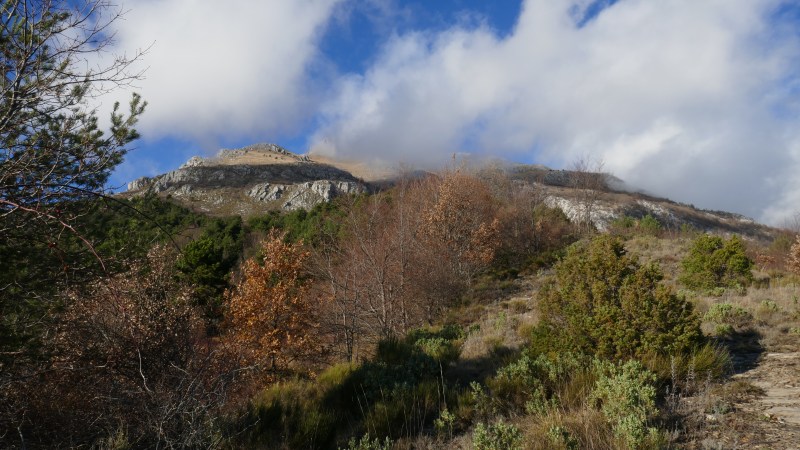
{"x":696,"y":101}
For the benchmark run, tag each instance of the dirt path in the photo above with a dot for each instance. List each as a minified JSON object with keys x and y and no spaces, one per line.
{"x":770,"y":421}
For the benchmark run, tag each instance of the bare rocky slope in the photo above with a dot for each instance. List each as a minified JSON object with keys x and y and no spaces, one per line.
{"x":251,"y":180}
{"x":265,"y":177}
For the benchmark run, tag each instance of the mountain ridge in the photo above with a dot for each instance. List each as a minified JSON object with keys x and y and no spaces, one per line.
{"x":263,"y":177}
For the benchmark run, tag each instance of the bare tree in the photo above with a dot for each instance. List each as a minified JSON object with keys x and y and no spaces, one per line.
{"x":343,"y":318}
{"x":589,"y":181}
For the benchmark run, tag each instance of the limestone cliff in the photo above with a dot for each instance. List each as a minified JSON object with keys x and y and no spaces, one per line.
{"x":251,"y":180}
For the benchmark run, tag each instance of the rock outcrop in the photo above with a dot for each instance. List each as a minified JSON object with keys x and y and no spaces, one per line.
{"x":251,"y":180}
{"x":304,"y":195}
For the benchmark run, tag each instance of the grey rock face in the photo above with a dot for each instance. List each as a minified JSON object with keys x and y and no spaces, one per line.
{"x":241,"y":176}
{"x":194,"y":161}
{"x":289,"y":186}
{"x":307,"y":195}
{"x":268,"y":148}
{"x":266,"y":192}
{"x":140,"y":184}
{"x":304,"y":195}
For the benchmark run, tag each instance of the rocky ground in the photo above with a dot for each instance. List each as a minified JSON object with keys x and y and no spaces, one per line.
{"x":771,"y":420}
{"x":758,"y":408}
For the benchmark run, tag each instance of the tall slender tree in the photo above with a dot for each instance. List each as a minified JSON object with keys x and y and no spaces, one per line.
{"x":53,"y":157}
{"x":271,"y":320}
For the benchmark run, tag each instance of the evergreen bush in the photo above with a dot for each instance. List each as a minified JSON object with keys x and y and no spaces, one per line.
{"x":714,"y":262}
{"x":603,"y":302}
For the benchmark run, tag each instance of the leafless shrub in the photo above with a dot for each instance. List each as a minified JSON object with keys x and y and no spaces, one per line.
{"x":130,"y":353}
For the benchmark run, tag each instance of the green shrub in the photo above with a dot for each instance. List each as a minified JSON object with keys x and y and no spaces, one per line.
{"x":441,"y":344}
{"x":735,"y":317}
{"x":627,"y":397}
{"x":650,"y":225}
{"x":716,"y":263}
{"x":497,"y":436}
{"x":603,"y":302}
{"x":723,"y":330}
{"x":562,"y":438}
{"x":767,"y":310}
{"x":366,"y":444}
{"x":445,"y":423}
{"x":483,"y":405}
{"x":768,"y":306}
{"x":623,"y":223}
{"x":294,"y":414}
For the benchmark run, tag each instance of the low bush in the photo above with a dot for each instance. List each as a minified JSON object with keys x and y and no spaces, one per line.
{"x":617,"y":400}
{"x":497,"y":436}
{"x":535,"y":384}
{"x":560,"y":437}
{"x":603,"y":302}
{"x":365,"y":443}
{"x":733,"y":316}
{"x":627,"y":398}
{"x":441,"y":344}
{"x":716,"y":263}
{"x":650,"y":225}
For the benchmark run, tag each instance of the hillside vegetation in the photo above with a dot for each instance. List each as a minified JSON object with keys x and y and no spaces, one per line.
{"x":452,"y":311}
{"x":263,"y":300}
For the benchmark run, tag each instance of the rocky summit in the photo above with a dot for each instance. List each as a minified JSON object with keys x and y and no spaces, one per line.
{"x":249,"y":181}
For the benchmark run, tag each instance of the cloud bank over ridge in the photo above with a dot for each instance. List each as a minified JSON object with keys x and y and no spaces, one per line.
{"x":698,"y":101}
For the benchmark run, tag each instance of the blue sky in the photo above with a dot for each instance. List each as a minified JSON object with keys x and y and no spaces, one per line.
{"x":697,"y":101}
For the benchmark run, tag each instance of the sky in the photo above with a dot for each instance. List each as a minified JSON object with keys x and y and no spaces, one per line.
{"x":697,"y":101}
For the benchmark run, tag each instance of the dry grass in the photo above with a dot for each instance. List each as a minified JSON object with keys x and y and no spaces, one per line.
{"x":772,"y":300}
{"x":584,"y":428}
{"x":775,"y":312}
{"x":494,"y":334}
{"x":359,"y":169}
{"x":667,"y":253}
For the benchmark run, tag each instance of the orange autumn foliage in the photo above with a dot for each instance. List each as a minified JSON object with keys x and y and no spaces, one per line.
{"x":271,"y":319}
{"x":463,"y":219}
{"x":794,"y":257}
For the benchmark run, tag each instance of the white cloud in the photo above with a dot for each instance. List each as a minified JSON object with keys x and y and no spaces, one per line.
{"x":684,"y":98}
{"x":238,"y":67}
